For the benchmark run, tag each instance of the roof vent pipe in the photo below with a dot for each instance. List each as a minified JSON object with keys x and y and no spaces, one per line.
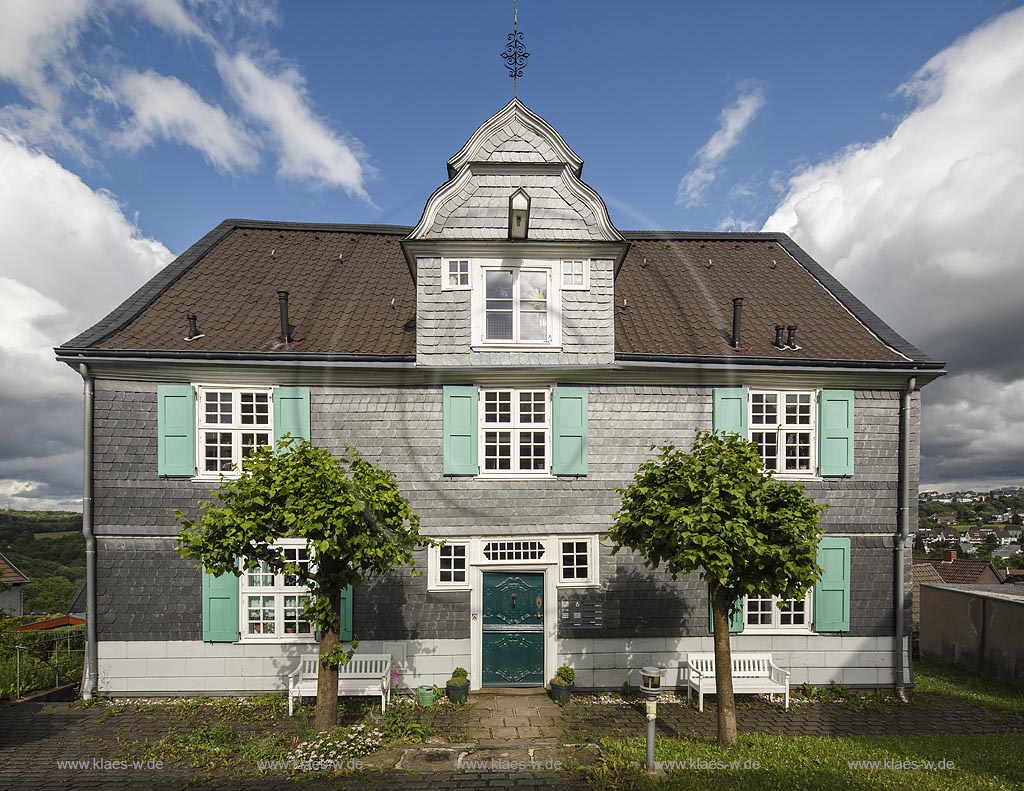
{"x":193,"y":327}
{"x":737,"y":321}
{"x":791,"y":336}
{"x":778,"y":337}
{"x":286,"y":328}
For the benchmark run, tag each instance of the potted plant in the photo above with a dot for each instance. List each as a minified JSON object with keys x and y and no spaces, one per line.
{"x":562,"y":684}
{"x":458,"y":685}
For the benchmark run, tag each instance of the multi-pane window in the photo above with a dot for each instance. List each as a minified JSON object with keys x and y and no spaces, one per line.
{"x":782,"y":427}
{"x":273,"y":605}
{"x":516,"y":305}
{"x":574,"y":273}
{"x":451,"y":564}
{"x":771,"y":612}
{"x":458,"y":274}
{"x":577,"y":561}
{"x":515,"y":431}
{"x":232,"y":422}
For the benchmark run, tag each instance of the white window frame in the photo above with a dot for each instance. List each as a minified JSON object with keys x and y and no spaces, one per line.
{"x":567,"y":267}
{"x":782,"y":427}
{"x":279,"y":591}
{"x":552,"y":270}
{"x":593,"y":562}
{"x":446,"y":273}
{"x":434,"y":582}
{"x":514,"y":428}
{"x":776,"y":626}
{"x":236,"y":428}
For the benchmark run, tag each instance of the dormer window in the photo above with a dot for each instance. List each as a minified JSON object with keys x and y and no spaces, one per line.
{"x":516,"y":305}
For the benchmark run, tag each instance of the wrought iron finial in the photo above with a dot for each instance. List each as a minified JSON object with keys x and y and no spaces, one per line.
{"x":515,"y":54}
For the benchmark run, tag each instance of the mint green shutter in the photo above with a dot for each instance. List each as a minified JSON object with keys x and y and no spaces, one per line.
{"x":832,"y":591}
{"x":730,"y":411}
{"x":345,"y":624}
{"x":176,"y":430}
{"x":569,"y":430}
{"x":735,"y":619}
{"x":291,"y":412}
{"x":220,"y":607}
{"x":460,"y":429}
{"x":835,"y":433}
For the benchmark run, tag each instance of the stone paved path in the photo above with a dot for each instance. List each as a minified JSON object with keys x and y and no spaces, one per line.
{"x":529,"y":717}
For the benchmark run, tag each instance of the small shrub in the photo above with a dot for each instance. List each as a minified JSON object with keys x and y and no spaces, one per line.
{"x":565,"y":675}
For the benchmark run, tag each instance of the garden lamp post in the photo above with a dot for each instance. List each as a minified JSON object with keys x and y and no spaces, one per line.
{"x":650,"y":686}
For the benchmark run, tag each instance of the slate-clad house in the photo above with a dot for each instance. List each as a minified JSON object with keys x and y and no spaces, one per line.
{"x":511,"y":359}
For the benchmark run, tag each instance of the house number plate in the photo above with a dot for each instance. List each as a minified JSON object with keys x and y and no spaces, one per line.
{"x":582,"y":614}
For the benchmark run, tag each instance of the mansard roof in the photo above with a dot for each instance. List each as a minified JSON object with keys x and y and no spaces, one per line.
{"x":351,"y":294}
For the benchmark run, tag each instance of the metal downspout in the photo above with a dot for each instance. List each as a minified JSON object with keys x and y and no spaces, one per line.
{"x":899,"y":555}
{"x":89,"y":680}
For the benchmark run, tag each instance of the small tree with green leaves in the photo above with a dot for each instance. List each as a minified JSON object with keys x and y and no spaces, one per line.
{"x":356,"y":521}
{"x":713,"y":511}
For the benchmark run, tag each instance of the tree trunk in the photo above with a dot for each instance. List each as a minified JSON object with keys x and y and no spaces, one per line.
{"x":723,"y":666}
{"x":327,"y":684}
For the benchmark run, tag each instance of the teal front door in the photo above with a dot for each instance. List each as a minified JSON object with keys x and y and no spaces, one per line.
{"x":513,"y":630}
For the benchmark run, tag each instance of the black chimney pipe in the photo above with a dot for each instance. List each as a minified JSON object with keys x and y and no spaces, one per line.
{"x":193,"y":326}
{"x":286,"y":328}
{"x":737,"y":321}
{"x":778,"y":337}
{"x":791,"y":336}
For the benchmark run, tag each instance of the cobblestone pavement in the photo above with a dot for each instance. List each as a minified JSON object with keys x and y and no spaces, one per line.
{"x":501,"y":741}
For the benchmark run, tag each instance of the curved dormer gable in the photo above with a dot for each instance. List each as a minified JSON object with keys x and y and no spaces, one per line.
{"x":516,"y":134}
{"x":515,"y":150}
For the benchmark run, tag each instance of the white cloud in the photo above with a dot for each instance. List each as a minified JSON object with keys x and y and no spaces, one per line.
{"x":171,"y":17}
{"x":69,"y":257}
{"x":925,"y":226}
{"x":33,"y":37}
{"x":733,"y":121}
{"x":737,"y":224}
{"x":308,"y":149}
{"x":166,"y":108}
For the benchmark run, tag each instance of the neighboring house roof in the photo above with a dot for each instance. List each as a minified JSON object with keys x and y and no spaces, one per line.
{"x":78,"y":601}
{"x":961,"y":570}
{"x":351,"y":294}
{"x":10,"y":574}
{"x":921,"y":572}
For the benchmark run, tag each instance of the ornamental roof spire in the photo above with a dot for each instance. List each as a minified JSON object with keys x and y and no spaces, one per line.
{"x":515,"y":54}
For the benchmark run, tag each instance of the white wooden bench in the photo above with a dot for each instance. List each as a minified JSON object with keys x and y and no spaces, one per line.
{"x":750,"y":673}
{"x":365,"y":674}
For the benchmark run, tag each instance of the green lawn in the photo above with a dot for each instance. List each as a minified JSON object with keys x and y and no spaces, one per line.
{"x":761,"y":762}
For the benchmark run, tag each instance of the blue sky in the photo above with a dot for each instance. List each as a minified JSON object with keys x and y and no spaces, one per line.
{"x":128,"y":128}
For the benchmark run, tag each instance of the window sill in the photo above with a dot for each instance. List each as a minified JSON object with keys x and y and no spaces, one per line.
{"x":578,"y":584}
{"x":524,"y":476}
{"x":775,"y":632}
{"x":514,"y":347}
{"x":277,"y":641}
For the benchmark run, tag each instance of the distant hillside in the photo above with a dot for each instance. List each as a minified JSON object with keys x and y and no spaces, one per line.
{"x":49,"y":549}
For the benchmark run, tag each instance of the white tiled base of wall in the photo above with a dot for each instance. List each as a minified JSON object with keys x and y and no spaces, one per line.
{"x":810,"y":659}
{"x":155,"y":668}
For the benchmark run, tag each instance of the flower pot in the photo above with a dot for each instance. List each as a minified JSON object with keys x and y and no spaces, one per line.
{"x":560,"y":693}
{"x":457,"y":693}
{"x":426,"y":696}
